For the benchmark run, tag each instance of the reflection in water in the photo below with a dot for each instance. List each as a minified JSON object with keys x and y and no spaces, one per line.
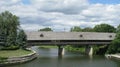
{"x":49,"y":58}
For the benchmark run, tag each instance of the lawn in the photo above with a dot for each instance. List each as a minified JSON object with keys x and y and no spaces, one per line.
{"x":11,"y":53}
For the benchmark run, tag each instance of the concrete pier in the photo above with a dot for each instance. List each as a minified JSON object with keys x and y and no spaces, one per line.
{"x":61,"y":50}
{"x":89,"y":50}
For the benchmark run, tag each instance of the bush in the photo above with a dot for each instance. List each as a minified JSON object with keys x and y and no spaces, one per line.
{"x":73,"y":48}
{"x":10,"y":48}
{"x":96,"y":49}
{"x":114,"y":47}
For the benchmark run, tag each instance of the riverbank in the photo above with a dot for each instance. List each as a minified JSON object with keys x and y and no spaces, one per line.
{"x":16,"y":56}
{"x":48,"y":47}
{"x":75,"y":49}
{"x":11,"y":53}
{"x":113,"y":56}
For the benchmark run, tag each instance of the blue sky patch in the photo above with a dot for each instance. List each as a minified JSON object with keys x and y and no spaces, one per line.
{"x":105,"y":1}
{"x":27,"y":2}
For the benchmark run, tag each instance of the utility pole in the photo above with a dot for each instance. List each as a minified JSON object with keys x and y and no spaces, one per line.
{"x":64,"y":29}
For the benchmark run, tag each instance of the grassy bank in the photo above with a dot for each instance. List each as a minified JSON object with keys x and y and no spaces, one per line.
{"x":12,"y":53}
{"x":5,"y":54}
{"x":48,"y":47}
{"x":70,"y":48}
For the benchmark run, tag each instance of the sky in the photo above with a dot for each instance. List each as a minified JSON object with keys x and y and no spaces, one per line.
{"x":61,"y":15}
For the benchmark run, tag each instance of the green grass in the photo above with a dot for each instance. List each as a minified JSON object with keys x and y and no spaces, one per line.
{"x":11,"y":53}
{"x":48,"y":47}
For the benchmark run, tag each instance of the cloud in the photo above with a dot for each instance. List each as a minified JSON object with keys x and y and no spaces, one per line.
{"x":64,"y":6}
{"x":61,"y":14}
{"x":31,"y":27}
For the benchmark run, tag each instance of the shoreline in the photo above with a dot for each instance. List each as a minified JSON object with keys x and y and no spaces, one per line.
{"x":113,"y":56}
{"x":20,"y":59}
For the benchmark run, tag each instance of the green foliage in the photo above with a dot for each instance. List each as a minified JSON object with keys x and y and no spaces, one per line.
{"x":48,"y":47}
{"x":117,"y":35}
{"x":87,"y":29}
{"x":3,"y":59}
{"x":76,"y":29}
{"x":115,"y":45}
{"x":79,"y":49}
{"x":21,"y":38}
{"x":104,"y":28}
{"x":46,"y":29}
{"x":97,"y":28}
{"x":95,"y":49}
{"x":9,"y":24}
{"x":9,"y":31}
{"x":100,"y":50}
{"x":118,"y":28}
{"x":13,"y":47}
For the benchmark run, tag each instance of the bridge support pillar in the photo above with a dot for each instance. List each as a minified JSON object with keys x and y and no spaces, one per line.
{"x":89,"y":50}
{"x":61,"y":50}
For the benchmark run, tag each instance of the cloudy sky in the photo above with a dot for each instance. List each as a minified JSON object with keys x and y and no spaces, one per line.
{"x":63,"y":14}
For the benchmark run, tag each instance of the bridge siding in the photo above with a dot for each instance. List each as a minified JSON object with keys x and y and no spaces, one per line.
{"x":69,"y":36}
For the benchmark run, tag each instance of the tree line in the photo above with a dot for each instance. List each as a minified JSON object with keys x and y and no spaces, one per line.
{"x":97,"y":28}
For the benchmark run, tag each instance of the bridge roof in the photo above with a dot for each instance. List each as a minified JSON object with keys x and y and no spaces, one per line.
{"x":69,"y":36}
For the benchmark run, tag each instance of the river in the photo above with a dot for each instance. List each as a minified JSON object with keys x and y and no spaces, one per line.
{"x":49,"y":58}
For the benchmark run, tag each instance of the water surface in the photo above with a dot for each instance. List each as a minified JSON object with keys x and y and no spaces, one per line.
{"x":49,"y":58}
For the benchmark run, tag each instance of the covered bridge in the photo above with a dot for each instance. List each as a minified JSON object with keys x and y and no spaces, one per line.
{"x":69,"y":38}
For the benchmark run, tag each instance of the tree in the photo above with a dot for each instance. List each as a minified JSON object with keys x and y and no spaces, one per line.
{"x":9,"y":24}
{"x":104,"y":28}
{"x":76,"y":29}
{"x":118,"y":28}
{"x":21,"y":38}
{"x":115,"y":45}
{"x":87,"y":29}
{"x":46,"y":29}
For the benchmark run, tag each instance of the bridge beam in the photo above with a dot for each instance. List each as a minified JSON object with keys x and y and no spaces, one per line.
{"x":61,"y":50}
{"x":89,"y":50}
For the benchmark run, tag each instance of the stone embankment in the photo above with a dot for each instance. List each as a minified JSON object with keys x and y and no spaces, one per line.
{"x":21,"y":59}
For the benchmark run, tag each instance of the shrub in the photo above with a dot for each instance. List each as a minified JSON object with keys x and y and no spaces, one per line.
{"x":114,"y":47}
{"x":10,"y":48}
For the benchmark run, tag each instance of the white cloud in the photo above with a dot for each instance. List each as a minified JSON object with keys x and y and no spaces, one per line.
{"x":31,"y":27}
{"x":61,"y":14}
{"x":64,"y":6}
